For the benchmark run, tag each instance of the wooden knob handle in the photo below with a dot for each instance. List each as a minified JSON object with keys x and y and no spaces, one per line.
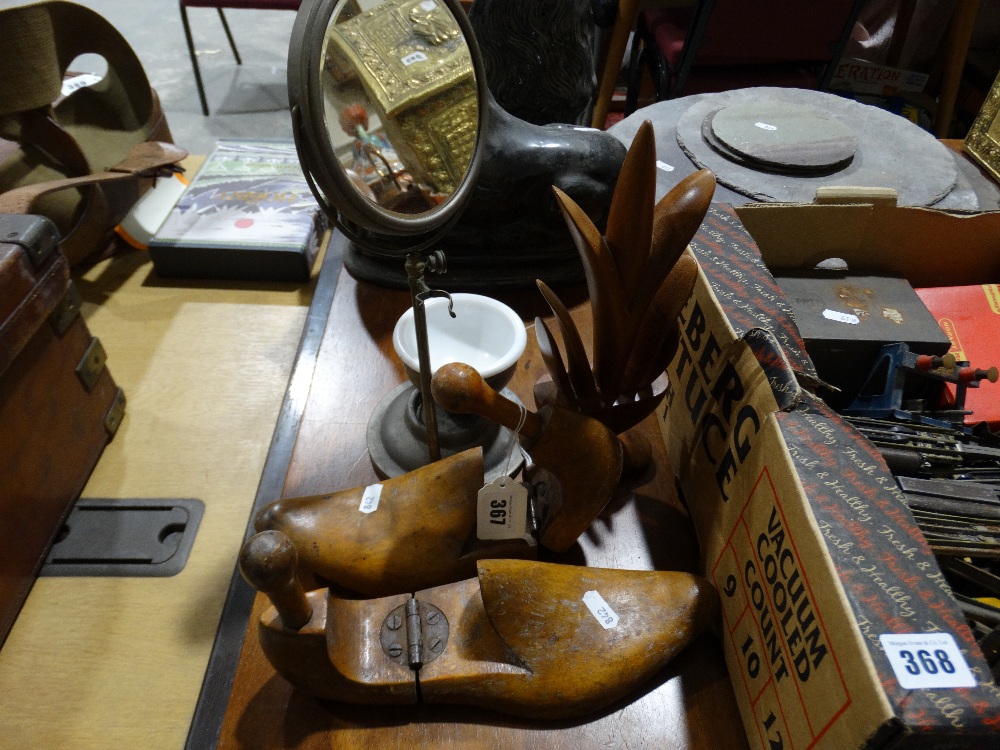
{"x":459,"y":388}
{"x":268,"y":562}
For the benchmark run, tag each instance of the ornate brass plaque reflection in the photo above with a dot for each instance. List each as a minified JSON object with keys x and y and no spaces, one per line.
{"x":401,"y":84}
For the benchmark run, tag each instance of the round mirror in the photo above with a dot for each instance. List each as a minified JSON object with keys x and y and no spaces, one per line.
{"x":388,"y":104}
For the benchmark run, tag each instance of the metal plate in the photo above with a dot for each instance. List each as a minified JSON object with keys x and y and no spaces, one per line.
{"x":415,"y":637}
{"x":892,"y":151}
{"x":127,"y":537}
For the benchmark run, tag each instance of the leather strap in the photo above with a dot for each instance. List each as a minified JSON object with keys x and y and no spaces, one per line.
{"x":70,"y":137}
{"x":146,"y":160}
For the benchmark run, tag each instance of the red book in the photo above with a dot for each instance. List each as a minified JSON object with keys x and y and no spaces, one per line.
{"x":970,"y":317}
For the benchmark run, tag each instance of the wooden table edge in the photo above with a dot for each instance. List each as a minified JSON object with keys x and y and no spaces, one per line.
{"x":213,"y":699}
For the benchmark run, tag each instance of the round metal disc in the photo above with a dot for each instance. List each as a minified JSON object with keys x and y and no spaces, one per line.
{"x":784,"y":135}
{"x":892,"y":151}
{"x":397,"y":439}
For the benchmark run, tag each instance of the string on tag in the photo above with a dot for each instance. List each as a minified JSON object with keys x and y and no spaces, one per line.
{"x":516,"y":446}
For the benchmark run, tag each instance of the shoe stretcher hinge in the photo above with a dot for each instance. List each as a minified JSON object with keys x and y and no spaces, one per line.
{"x":414,"y":634}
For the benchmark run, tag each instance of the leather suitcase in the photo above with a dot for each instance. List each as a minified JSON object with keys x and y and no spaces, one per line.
{"x":59,"y":406}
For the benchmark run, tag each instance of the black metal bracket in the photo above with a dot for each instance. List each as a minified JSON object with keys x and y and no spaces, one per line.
{"x":125,"y":537}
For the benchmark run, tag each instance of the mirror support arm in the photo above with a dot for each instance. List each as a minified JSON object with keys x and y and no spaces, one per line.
{"x":416,"y":263}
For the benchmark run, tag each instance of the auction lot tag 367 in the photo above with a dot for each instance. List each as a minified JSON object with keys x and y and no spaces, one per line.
{"x":502,"y":511}
{"x":927,"y":660}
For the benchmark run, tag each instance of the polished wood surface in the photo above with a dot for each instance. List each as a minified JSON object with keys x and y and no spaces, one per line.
{"x":118,"y":662}
{"x":689,"y":704}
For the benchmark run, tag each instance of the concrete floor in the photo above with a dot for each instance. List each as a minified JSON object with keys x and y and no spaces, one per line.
{"x":246,"y":101}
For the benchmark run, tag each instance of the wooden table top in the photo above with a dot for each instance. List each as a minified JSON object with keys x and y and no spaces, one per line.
{"x":113,"y":662}
{"x":689,"y":705}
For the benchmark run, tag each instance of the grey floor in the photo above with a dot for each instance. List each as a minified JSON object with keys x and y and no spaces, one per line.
{"x":246,"y":101}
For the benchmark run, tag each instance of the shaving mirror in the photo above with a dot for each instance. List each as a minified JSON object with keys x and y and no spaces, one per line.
{"x":388,"y":104}
{"x":389,"y":109}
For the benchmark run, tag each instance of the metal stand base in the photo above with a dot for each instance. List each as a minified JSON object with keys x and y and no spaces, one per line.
{"x":397,"y":438}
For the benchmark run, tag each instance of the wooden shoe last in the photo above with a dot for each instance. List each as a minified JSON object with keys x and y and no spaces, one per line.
{"x":422,"y":532}
{"x":519,"y":638}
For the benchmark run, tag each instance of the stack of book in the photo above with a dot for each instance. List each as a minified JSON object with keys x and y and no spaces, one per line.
{"x":247,"y":214}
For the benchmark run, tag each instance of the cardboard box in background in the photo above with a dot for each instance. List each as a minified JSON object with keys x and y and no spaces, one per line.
{"x":817,"y":559}
{"x":863,"y":77}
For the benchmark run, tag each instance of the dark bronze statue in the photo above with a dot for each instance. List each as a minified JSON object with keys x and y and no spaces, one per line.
{"x":540,"y":57}
{"x":512,"y":231}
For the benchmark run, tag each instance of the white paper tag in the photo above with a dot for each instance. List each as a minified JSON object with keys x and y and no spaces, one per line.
{"x":601,"y":610}
{"x":664,"y":166}
{"x":413,"y":57}
{"x":370,"y":498}
{"x":79,"y":82}
{"x":927,"y":660}
{"x":841,"y":317}
{"x":765,"y":126}
{"x":502,"y":512}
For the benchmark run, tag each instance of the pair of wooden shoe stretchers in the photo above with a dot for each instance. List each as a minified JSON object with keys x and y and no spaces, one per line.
{"x":409,"y":603}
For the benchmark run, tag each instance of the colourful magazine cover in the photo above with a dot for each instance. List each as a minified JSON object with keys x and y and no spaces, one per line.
{"x":249,"y":196}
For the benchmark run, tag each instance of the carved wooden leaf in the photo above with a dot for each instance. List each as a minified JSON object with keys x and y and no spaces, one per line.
{"x":607,"y":299}
{"x":630,"y":221}
{"x":577,"y":365}
{"x":552,"y":359}
{"x":657,"y":325}
{"x":676,"y":218}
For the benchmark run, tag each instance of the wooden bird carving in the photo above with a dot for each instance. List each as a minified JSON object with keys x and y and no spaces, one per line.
{"x":422,"y":530}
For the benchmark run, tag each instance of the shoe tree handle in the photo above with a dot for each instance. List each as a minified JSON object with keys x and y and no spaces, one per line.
{"x":268,"y":562}
{"x":459,"y":388}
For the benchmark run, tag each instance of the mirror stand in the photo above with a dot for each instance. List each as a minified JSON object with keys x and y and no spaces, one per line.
{"x":403,"y":434}
{"x":390,"y":113}
{"x":416,"y":264}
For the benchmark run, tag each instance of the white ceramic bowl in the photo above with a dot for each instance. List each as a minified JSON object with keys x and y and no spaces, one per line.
{"x":485,"y":334}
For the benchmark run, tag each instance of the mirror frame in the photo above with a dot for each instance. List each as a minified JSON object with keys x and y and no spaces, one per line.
{"x":334,"y":191}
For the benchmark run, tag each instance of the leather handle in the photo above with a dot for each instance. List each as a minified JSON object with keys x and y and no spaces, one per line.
{"x":145,"y":160}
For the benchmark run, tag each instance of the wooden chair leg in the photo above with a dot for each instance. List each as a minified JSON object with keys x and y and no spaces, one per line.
{"x":194,"y":61}
{"x":634,"y":79}
{"x":229,"y":36}
{"x":617,"y":42}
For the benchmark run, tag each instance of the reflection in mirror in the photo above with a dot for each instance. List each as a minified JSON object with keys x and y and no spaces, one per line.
{"x":400,"y":100}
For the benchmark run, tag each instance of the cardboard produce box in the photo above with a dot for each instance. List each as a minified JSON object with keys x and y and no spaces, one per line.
{"x":838,"y":627}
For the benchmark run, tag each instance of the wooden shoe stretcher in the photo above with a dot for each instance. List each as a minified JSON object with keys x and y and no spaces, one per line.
{"x":689,"y":703}
{"x":532,"y":639}
{"x":431,"y":512}
{"x":527,"y":638}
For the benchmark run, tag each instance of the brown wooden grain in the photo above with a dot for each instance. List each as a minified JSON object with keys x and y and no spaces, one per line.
{"x":689,"y":704}
{"x":422,"y":535}
{"x":114,"y":662}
